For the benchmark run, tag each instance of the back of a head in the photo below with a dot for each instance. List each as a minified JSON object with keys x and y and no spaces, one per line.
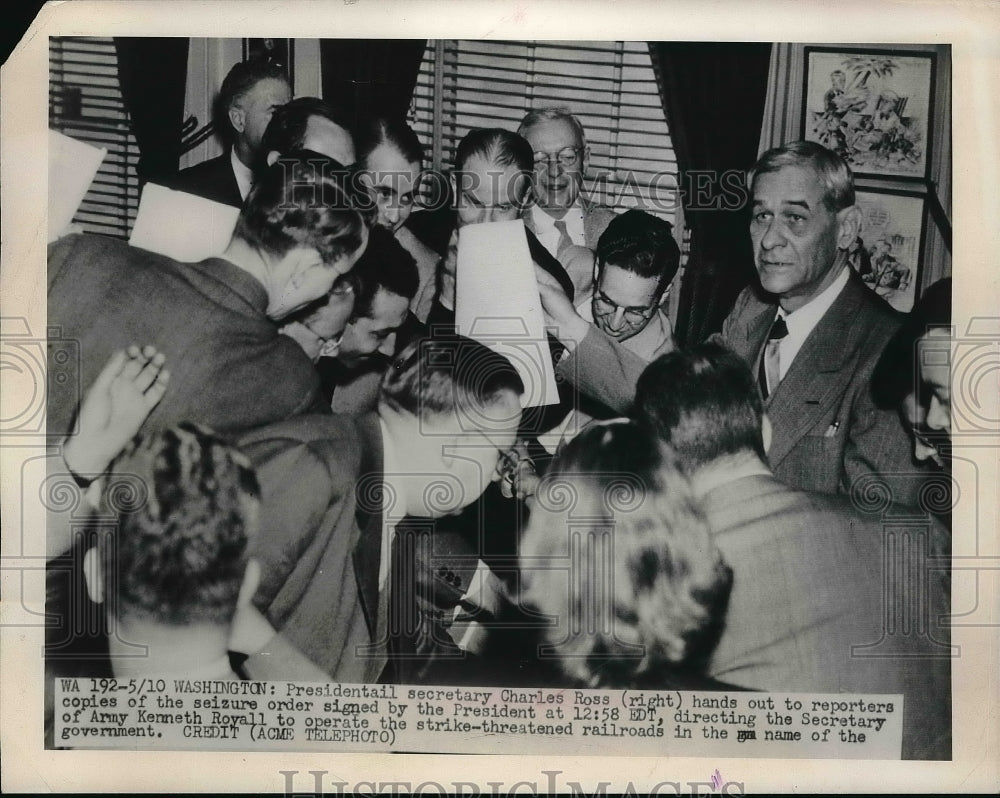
{"x":614,"y":505}
{"x":440,"y":377}
{"x":304,"y":200}
{"x":704,"y":403}
{"x":187,"y":504}
{"x":375,"y":131}
{"x":895,"y":376}
{"x":385,"y":265}
{"x":832,"y":170}
{"x":640,"y":243}
{"x":496,"y":146}
{"x":286,"y":131}
{"x":241,"y":79}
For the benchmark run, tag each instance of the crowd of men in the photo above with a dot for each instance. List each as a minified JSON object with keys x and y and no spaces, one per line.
{"x":337,"y":485}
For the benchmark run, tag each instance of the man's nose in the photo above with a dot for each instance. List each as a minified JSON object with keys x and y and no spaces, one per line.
{"x":388,"y":346}
{"x":391,"y":212}
{"x":938,"y":417}
{"x":773,"y":236}
{"x":617,"y":321}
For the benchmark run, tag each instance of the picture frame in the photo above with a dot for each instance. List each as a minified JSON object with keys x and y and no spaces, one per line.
{"x":872,"y":107}
{"x":887,"y":251}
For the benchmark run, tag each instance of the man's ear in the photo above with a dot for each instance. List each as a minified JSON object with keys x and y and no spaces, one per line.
{"x":766,"y":432}
{"x":586,"y":159}
{"x":272,"y":156}
{"x":93,"y":573}
{"x":237,"y":118}
{"x":848,"y":226}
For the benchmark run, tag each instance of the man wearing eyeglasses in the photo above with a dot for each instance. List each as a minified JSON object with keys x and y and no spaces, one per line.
{"x":637,"y":258}
{"x":561,"y":218}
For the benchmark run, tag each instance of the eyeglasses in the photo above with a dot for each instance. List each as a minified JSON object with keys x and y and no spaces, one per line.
{"x":567,"y":156}
{"x":604,"y":306}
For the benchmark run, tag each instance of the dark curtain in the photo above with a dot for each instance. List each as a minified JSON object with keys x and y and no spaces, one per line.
{"x":370,"y":76}
{"x":153,"y":76}
{"x":713,"y":97}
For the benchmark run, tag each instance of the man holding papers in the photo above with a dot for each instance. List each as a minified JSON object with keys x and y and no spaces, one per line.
{"x":213,"y":320}
{"x":491,"y":182}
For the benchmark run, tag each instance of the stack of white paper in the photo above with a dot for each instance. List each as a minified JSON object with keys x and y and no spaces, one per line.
{"x":72,"y":166}
{"x":182,"y":226}
{"x":497,"y":303}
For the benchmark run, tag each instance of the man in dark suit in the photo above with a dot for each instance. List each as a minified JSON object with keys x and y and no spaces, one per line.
{"x":821,"y":593}
{"x":249,"y":95}
{"x":231,"y":370}
{"x":562,"y":218}
{"x":336,"y":578}
{"x":815,"y":334}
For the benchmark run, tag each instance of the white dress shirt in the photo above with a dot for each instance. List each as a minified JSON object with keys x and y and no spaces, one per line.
{"x":244,"y":177}
{"x":545,"y":230}
{"x":803,"y":320}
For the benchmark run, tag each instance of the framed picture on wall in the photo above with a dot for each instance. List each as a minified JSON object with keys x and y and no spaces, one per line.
{"x":886,"y":254}
{"x":873,"y":107}
{"x":281,"y":51}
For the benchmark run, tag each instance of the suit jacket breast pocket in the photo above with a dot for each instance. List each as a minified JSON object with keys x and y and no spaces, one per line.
{"x":816,"y":462}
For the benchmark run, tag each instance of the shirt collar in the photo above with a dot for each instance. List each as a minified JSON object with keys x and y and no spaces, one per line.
{"x":802,"y":320}
{"x":244,"y":176}
{"x":573,"y":219}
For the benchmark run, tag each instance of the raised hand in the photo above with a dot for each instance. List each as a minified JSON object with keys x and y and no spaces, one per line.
{"x":560,"y":316}
{"x":129,"y":386}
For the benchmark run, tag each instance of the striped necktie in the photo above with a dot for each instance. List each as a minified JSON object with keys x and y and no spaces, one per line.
{"x":769,"y":373}
{"x":564,"y":240}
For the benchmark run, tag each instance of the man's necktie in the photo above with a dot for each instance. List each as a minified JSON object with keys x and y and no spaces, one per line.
{"x":564,"y":240}
{"x":769,"y":374}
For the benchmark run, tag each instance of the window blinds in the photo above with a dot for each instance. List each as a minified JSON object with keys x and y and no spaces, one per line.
{"x":85,"y":103}
{"x":610,"y":86}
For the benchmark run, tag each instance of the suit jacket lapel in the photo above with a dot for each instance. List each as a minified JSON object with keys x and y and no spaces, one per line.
{"x":368,"y":513}
{"x":756,"y":334}
{"x":817,"y":374}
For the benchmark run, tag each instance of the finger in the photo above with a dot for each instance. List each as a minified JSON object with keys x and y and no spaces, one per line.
{"x":136,"y":362}
{"x":155,"y":392}
{"x":145,"y":378}
{"x":111,"y":370}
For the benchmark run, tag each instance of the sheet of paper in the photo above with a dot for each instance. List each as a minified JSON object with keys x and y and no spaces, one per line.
{"x":497,"y":303}
{"x":72,"y":166}
{"x":182,"y":226}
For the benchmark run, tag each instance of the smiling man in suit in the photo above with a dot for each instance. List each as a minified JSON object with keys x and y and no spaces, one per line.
{"x":812,"y":331}
{"x":561,"y":217}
